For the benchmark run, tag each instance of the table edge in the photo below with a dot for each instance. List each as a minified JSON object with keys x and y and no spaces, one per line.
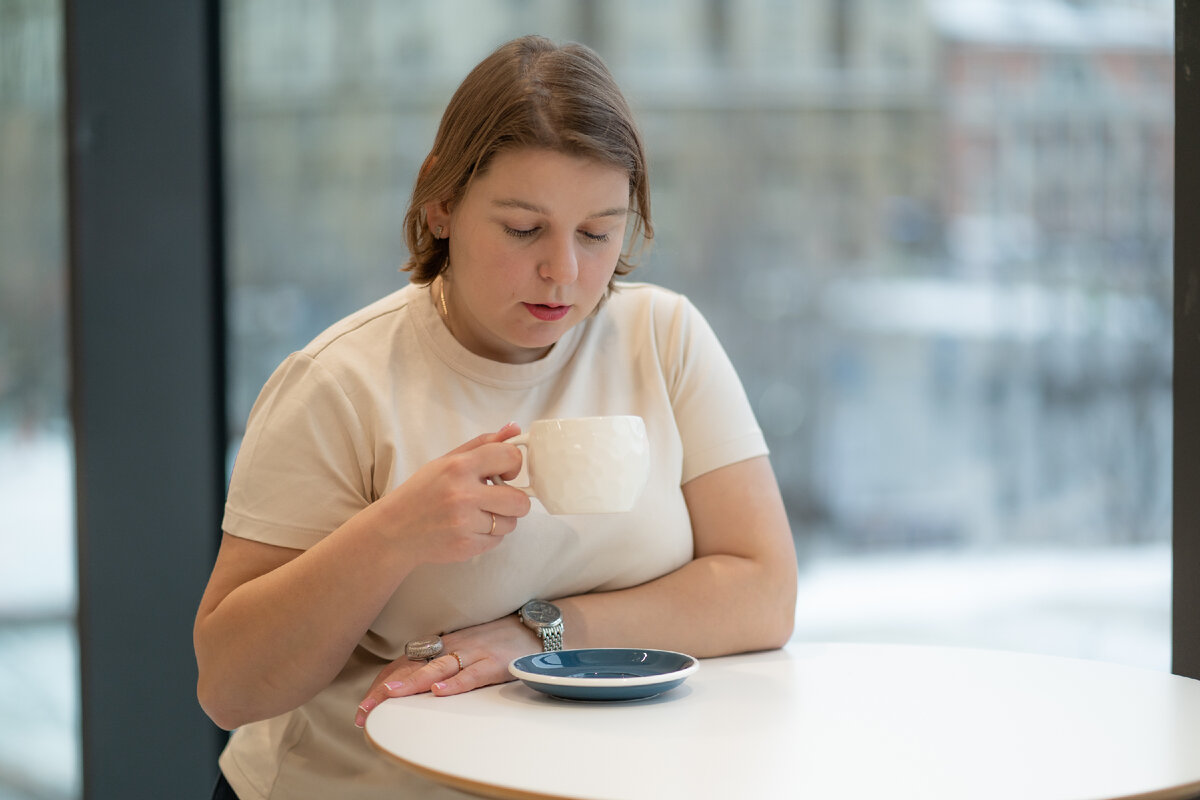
{"x":504,"y":792}
{"x":1184,"y":791}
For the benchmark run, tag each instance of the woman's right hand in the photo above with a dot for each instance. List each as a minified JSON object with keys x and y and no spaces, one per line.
{"x":449,"y":510}
{"x":255,"y":662}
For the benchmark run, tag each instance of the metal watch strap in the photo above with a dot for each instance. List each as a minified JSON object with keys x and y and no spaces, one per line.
{"x":551,"y":638}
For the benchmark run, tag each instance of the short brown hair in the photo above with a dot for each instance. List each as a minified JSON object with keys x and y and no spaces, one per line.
{"x":530,"y":92}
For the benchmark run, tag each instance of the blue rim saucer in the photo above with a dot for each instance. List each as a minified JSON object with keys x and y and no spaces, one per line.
{"x":604,"y":673}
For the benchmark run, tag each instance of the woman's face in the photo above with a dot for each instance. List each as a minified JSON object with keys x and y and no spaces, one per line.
{"x":534,"y":243}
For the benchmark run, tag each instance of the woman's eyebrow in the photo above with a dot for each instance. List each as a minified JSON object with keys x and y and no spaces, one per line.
{"x":512,"y":202}
{"x":615,"y":211}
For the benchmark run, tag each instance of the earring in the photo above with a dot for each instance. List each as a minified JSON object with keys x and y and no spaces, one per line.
{"x":438,"y":233}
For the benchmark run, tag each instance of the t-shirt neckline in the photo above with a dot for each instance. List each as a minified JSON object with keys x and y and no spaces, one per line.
{"x":484,"y":370}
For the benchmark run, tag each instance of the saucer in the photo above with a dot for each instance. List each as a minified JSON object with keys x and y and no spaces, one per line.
{"x":610,"y":673}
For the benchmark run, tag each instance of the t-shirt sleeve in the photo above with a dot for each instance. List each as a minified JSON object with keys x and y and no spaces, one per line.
{"x":303,"y":467}
{"x":716,"y":423}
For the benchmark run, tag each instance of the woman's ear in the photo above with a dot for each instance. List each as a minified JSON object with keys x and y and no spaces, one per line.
{"x":437,"y":216}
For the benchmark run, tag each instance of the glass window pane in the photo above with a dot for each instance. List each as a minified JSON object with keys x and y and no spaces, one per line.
{"x":39,"y":747}
{"x":934,"y":237}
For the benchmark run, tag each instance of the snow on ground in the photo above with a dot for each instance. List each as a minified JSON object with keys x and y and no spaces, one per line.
{"x":1107,"y":604}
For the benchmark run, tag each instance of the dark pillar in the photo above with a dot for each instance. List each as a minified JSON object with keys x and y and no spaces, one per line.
{"x":145,"y":243}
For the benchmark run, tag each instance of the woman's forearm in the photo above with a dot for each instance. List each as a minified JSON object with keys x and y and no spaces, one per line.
{"x":714,"y":605}
{"x":278,"y":638}
{"x":739,"y":592}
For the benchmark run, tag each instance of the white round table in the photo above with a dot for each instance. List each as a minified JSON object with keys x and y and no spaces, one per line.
{"x":823,"y":721}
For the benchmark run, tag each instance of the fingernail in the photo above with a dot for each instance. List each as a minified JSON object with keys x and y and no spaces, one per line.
{"x":394,"y":686}
{"x":360,"y":718}
{"x":439,"y":686}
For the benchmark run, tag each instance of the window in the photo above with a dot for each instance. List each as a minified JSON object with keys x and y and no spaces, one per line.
{"x":952,"y":320}
{"x":39,"y":740}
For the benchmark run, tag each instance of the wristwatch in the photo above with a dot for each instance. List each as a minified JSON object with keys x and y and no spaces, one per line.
{"x":545,"y":619}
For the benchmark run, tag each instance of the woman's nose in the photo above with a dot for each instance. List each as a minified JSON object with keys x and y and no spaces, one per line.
{"x":559,"y":263}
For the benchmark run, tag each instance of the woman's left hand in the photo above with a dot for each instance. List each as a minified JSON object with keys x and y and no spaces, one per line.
{"x":484,"y":651}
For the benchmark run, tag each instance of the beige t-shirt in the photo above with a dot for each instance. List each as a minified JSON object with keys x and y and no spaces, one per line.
{"x":388,"y":389}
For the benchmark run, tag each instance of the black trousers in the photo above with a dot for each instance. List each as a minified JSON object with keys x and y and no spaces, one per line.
{"x":223,"y":791}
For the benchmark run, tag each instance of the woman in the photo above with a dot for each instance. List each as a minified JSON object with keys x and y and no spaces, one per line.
{"x":360,"y":515}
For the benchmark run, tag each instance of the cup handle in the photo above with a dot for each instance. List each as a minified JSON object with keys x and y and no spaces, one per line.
{"x":521,"y":440}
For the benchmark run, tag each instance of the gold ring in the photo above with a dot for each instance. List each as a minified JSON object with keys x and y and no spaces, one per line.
{"x":458,"y":658}
{"x":493,"y":530}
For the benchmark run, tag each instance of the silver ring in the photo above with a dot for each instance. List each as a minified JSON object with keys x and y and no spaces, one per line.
{"x":425,"y":649}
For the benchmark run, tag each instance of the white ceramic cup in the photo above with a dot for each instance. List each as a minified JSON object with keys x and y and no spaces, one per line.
{"x":586,"y":465}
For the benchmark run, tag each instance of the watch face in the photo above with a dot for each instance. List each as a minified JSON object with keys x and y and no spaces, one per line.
{"x":541,"y":613}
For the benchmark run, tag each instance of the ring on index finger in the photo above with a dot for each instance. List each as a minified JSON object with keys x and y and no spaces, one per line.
{"x":493,"y":530}
{"x":425,"y":649}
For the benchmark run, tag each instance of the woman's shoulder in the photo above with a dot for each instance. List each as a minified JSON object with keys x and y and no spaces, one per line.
{"x":647,"y":298}
{"x":662,"y":308}
{"x":360,"y":327}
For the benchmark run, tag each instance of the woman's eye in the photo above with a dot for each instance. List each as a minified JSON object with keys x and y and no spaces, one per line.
{"x":527,"y":233}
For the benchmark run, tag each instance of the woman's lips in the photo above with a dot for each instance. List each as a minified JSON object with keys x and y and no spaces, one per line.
{"x":547,"y":313}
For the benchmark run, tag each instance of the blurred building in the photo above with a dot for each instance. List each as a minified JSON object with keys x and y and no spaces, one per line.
{"x":32,"y":266}
{"x":1027,"y":370}
{"x":934,"y":236}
